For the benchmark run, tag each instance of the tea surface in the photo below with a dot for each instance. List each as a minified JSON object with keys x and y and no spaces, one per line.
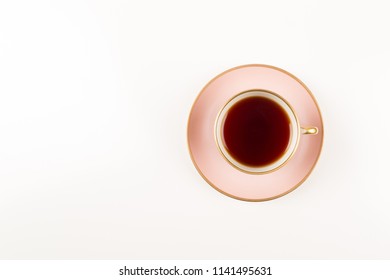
{"x":256,"y":131}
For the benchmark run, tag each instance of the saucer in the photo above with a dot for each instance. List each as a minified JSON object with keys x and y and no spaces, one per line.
{"x":216,"y":170}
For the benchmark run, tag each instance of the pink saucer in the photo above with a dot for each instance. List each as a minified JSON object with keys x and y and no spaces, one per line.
{"x":213,"y":166}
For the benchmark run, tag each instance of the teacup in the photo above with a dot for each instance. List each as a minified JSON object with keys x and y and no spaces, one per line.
{"x":257,"y":131}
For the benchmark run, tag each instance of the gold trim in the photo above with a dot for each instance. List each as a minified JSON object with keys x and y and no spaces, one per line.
{"x":273,"y":169}
{"x":309,"y":130}
{"x":303,"y":179}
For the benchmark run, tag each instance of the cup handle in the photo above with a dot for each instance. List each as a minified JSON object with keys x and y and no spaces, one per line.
{"x":312,"y":130}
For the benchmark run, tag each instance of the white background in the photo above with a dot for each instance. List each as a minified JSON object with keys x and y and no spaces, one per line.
{"x":94,"y":101}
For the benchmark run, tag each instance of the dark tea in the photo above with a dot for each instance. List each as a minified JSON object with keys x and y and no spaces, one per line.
{"x":256,"y":131}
